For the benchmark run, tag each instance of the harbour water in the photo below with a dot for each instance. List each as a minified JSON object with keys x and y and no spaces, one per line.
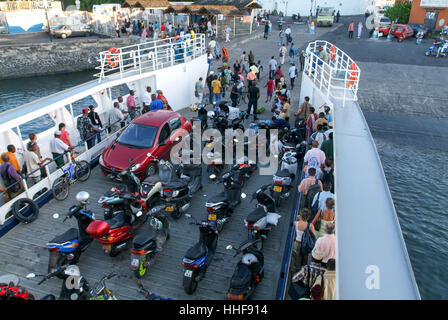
{"x":412,"y":153}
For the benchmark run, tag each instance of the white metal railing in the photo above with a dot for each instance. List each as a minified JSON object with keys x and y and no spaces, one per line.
{"x":338,"y":77}
{"x":151,"y":55}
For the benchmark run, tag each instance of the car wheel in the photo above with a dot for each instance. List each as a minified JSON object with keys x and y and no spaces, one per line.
{"x":63,"y":36}
{"x":151,"y":170}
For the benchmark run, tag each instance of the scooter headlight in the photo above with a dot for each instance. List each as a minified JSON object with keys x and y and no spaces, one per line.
{"x":175,"y":193}
{"x":136,"y":167}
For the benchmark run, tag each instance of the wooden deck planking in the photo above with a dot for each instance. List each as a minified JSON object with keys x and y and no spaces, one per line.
{"x":23,"y":249}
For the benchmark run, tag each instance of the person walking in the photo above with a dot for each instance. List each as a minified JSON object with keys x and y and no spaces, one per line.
{"x":86,"y":129}
{"x":216,"y":86}
{"x":351,"y":28}
{"x":131,"y":104}
{"x":272,"y":67}
{"x":288,"y":35}
{"x":292,"y":53}
{"x":270,"y":85}
{"x":359,"y":29}
{"x":338,"y":15}
{"x":302,"y":60}
{"x":292,"y":74}
{"x":199,"y":91}
{"x":209,"y":81}
{"x":253,"y":95}
{"x":115,"y":118}
{"x":58,"y":148}
{"x":281,"y":34}
{"x":244,"y":59}
{"x":10,"y":176}
{"x":282,"y":53}
{"x":266,"y":31}
{"x":33,"y":162}
{"x":227,"y":30}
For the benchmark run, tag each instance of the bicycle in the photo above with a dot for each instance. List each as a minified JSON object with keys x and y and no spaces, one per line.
{"x":77,"y":170}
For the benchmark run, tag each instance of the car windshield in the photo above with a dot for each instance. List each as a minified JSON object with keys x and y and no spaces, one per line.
{"x":385,"y":20}
{"x":138,"y":136}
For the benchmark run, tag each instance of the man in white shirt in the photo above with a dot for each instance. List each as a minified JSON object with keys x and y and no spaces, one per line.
{"x":33,"y":163}
{"x":288,"y":35}
{"x":115,"y":117}
{"x":57,"y":148}
{"x":227,"y":30}
{"x":272,"y":67}
{"x":123,"y":109}
{"x":323,"y":196}
{"x":315,"y":152}
{"x":292,"y":74}
{"x":327,"y":244}
{"x":146,"y":99}
{"x":209,"y":28}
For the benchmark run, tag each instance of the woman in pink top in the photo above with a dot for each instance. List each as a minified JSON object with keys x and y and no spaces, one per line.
{"x":65,"y":135}
{"x":351,"y":28}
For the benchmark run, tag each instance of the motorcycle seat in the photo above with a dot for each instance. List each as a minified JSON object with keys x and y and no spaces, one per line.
{"x":256,"y":215}
{"x":222,"y":197}
{"x":110,"y":193}
{"x":192,"y":170}
{"x":152,"y":180}
{"x":242,"y":277}
{"x":68,"y":235}
{"x":144,"y":237}
{"x":118,"y":221}
{"x":197,"y":251}
{"x":283,"y":174}
{"x":176,"y":184}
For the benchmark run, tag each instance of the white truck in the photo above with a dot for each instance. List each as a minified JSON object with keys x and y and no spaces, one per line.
{"x":325,"y":16}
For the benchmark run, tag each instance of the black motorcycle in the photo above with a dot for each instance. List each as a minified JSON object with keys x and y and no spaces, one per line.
{"x":68,"y":247}
{"x":200,"y":256}
{"x":221,"y":206}
{"x":149,"y":242}
{"x":257,"y":222}
{"x":192,"y":174}
{"x":216,"y":160}
{"x":249,"y":271}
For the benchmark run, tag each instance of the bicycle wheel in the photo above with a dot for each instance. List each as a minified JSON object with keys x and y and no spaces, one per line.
{"x":82,"y":170}
{"x":60,"y":188}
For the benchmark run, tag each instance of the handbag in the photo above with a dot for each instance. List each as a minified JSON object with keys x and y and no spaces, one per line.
{"x":298,"y":290}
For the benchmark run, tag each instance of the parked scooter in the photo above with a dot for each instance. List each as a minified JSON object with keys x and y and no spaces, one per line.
{"x":216,"y":160}
{"x":221,"y":206}
{"x":149,"y":242}
{"x":443,"y":51}
{"x":11,"y":290}
{"x":200,"y":256}
{"x":115,"y":233}
{"x":248,"y":273}
{"x":67,"y":247}
{"x":282,"y":180}
{"x":113,"y":201}
{"x":192,"y":174}
{"x":432,"y":50}
{"x":264,"y":214}
{"x":78,"y":288}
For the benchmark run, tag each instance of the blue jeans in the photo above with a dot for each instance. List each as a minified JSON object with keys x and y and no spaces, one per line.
{"x":281,"y":40}
{"x":291,"y":59}
{"x":217,"y":98}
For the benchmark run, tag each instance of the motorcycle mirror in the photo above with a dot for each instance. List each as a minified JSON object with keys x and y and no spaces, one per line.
{"x":229,"y":247}
{"x":56,"y":216}
{"x":30,"y":276}
{"x":243,"y":195}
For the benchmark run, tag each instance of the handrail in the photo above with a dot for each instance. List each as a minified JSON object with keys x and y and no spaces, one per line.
{"x":25,"y":177}
{"x":151,"y":55}
{"x":328,"y":75}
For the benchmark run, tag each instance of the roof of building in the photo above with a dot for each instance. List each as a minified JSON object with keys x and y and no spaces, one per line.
{"x":147,"y":4}
{"x":240,"y":4}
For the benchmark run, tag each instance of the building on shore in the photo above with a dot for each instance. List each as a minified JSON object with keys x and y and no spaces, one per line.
{"x":345,"y":7}
{"x":433,"y":14}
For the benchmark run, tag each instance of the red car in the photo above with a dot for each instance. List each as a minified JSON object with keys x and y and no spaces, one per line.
{"x":401,"y":32}
{"x":148,"y":134}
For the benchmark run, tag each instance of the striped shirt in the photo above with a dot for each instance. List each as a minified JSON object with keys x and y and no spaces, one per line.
{"x":315,"y":270}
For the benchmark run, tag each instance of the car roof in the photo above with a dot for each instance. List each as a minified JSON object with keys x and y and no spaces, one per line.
{"x":156,"y":118}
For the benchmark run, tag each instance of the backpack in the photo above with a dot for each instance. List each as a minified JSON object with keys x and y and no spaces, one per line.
{"x":308,"y":241}
{"x":312,"y":191}
{"x":314,"y":210}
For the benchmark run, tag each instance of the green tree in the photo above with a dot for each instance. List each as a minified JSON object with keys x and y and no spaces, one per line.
{"x":401,"y":10}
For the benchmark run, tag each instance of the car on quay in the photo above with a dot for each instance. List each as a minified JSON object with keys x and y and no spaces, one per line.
{"x":64,"y":31}
{"x":401,"y":31}
{"x":146,"y":140}
{"x":383,"y":22}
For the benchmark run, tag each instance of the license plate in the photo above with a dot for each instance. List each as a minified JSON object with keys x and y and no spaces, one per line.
{"x":212,"y":217}
{"x":188,"y":273}
{"x":107,"y":247}
{"x":134,"y":262}
{"x":277,"y":189}
{"x":169,"y":209}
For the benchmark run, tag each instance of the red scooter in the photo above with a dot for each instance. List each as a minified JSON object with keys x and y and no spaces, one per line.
{"x":115,"y":233}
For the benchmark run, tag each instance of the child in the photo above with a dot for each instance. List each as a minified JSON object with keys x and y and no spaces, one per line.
{"x":270,"y":85}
